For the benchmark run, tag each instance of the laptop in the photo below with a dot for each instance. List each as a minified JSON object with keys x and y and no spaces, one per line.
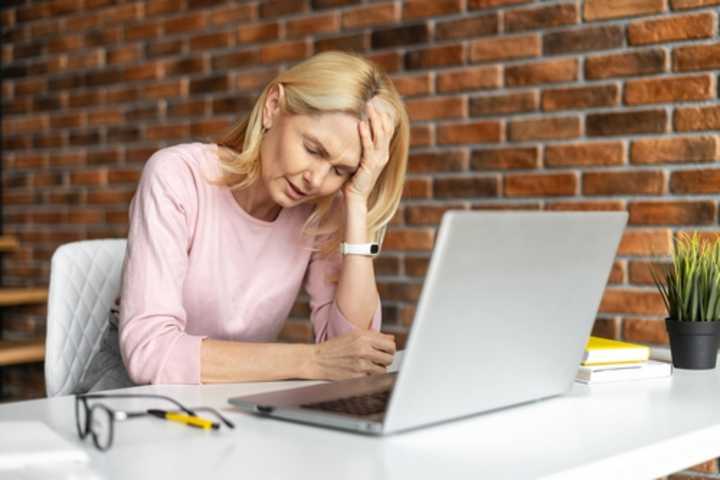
{"x":507,"y":306}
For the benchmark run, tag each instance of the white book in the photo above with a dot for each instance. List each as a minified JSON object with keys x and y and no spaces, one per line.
{"x":622,"y":372}
{"x":24,"y":444}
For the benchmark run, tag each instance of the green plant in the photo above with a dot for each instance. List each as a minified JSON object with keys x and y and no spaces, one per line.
{"x":691,"y":286}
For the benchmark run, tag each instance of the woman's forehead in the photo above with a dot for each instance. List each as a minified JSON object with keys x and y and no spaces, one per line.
{"x":337,"y":132}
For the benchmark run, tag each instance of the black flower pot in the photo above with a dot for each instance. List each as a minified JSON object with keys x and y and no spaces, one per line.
{"x":694,"y":345}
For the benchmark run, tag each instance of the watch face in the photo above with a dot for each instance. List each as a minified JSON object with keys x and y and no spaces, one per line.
{"x":374,"y":248}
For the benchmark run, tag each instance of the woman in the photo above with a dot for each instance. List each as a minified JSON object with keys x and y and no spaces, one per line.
{"x":223,"y":236}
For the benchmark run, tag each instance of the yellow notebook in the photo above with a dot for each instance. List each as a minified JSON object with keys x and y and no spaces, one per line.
{"x":599,"y":351}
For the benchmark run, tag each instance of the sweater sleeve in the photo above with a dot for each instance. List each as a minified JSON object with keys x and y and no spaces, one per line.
{"x":327,"y":319}
{"x":154,"y":344}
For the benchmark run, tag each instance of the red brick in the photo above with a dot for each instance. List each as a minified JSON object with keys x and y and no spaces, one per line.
{"x":641,"y":302}
{"x":399,"y":291}
{"x":109,"y":197}
{"x":451,"y":161}
{"x":475,"y":132}
{"x":442,"y":56}
{"x":413,"y":9}
{"x":256,"y":33}
{"x":675,"y":89}
{"x":540,"y":185}
{"x":583,"y":97}
{"x":465,"y":28}
{"x":711,"y":466}
{"x":390,"y":61}
{"x":357,"y":42}
{"x":541,"y":17}
{"x":697,"y":57}
{"x":697,"y":118}
{"x":230,"y":14}
{"x":505,"y":158}
{"x":209,"y":41}
{"x":617,"y":273}
{"x":435,"y":108}
{"x":404,"y":239}
{"x":582,"y":40}
{"x":505,"y":103}
{"x":625,"y":64}
{"x":602,"y":9}
{"x":184,"y":24}
{"x":670,"y":29}
{"x":586,"y":206}
{"x":606,"y":328}
{"x":645,"y":331}
{"x":672,"y":213}
{"x":695,"y":181}
{"x":644,"y":242}
{"x":623,"y":183}
{"x":525,"y":206}
{"x":470,"y":78}
{"x":314,"y":25}
{"x":639,"y":271}
{"x":89,"y":177}
{"x":417,"y":188}
{"x":683,"y":4}
{"x":429,"y":214}
{"x":675,"y":150}
{"x":284,"y":51}
{"x":504,"y":48}
{"x":421,"y":135}
{"x":584,"y":154}
{"x":411,"y":85}
{"x":478,"y":4}
{"x":553,"y":71}
{"x":397,"y":36}
{"x":544,"y":129}
{"x":462,"y":187}
{"x":416,"y":266}
{"x":276,"y":8}
{"x":624,"y":123}
{"x":365,"y":16}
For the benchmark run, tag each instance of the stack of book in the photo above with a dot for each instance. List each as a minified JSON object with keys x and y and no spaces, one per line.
{"x":608,"y":361}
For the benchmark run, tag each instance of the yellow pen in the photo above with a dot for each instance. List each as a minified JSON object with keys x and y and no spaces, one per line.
{"x":197,"y":422}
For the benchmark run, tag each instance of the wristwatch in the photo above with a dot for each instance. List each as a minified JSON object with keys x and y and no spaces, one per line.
{"x":369,"y":249}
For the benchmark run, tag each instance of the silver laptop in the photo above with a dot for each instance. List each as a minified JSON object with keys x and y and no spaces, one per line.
{"x":505,"y":311}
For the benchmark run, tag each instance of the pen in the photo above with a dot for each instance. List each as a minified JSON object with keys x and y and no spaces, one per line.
{"x":197,"y":422}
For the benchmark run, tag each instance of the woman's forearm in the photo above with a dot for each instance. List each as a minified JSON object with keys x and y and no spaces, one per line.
{"x":356,"y":295}
{"x":227,"y":361}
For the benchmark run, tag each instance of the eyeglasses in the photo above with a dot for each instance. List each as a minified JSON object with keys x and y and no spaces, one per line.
{"x":99,"y":420}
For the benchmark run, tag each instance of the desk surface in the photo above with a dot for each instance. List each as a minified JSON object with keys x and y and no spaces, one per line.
{"x":633,"y":430}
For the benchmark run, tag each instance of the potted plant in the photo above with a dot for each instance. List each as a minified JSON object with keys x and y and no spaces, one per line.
{"x":690,"y":288}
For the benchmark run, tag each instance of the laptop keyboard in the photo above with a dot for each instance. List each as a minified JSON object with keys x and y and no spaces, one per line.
{"x":358,"y":405}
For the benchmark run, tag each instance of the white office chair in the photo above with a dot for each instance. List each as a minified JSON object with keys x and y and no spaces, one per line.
{"x":85,"y":279}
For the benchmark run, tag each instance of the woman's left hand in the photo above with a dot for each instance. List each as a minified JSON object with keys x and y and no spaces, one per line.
{"x":375,"y":146}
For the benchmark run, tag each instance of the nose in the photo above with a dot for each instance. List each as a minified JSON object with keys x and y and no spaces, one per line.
{"x":315,"y":175}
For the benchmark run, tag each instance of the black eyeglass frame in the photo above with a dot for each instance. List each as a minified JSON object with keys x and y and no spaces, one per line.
{"x":120,"y":415}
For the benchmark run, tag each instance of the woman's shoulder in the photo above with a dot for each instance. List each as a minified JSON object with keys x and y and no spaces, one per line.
{"x":183,"y":166}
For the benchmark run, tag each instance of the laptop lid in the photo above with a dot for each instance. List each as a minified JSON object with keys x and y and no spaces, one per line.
{"x":508,"y":303}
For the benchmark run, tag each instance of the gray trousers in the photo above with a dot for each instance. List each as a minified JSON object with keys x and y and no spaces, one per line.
{"x":106,"y":370}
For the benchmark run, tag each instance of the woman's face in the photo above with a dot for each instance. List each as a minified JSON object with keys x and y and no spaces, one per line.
{"x":307,"y":157}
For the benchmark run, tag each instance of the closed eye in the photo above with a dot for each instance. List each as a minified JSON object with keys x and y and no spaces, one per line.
{"x":338,"y":172}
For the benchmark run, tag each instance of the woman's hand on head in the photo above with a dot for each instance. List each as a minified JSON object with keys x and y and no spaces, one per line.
{"x":375,"y":135}
{"x":356,"y":354}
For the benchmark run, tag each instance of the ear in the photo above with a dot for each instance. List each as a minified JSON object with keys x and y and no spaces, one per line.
{"x":273,"y":100}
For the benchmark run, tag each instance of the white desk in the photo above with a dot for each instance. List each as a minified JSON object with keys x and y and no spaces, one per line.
{"x":634,"y":430}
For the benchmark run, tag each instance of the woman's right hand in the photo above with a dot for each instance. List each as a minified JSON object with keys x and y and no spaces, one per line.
{"x":356,"y":354}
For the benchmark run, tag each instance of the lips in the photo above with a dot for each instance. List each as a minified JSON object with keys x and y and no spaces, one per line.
{"x":299,"y":193}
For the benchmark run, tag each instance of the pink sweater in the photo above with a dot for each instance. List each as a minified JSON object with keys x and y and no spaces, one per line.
{"x":198,"y":266}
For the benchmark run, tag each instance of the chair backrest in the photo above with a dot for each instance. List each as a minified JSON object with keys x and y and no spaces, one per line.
{"x":85,"y":279}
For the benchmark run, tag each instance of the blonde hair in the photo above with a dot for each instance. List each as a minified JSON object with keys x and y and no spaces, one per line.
{"x":330,"y":81}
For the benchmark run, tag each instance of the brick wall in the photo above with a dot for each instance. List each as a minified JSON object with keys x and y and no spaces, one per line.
{"x":550,"y":105}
